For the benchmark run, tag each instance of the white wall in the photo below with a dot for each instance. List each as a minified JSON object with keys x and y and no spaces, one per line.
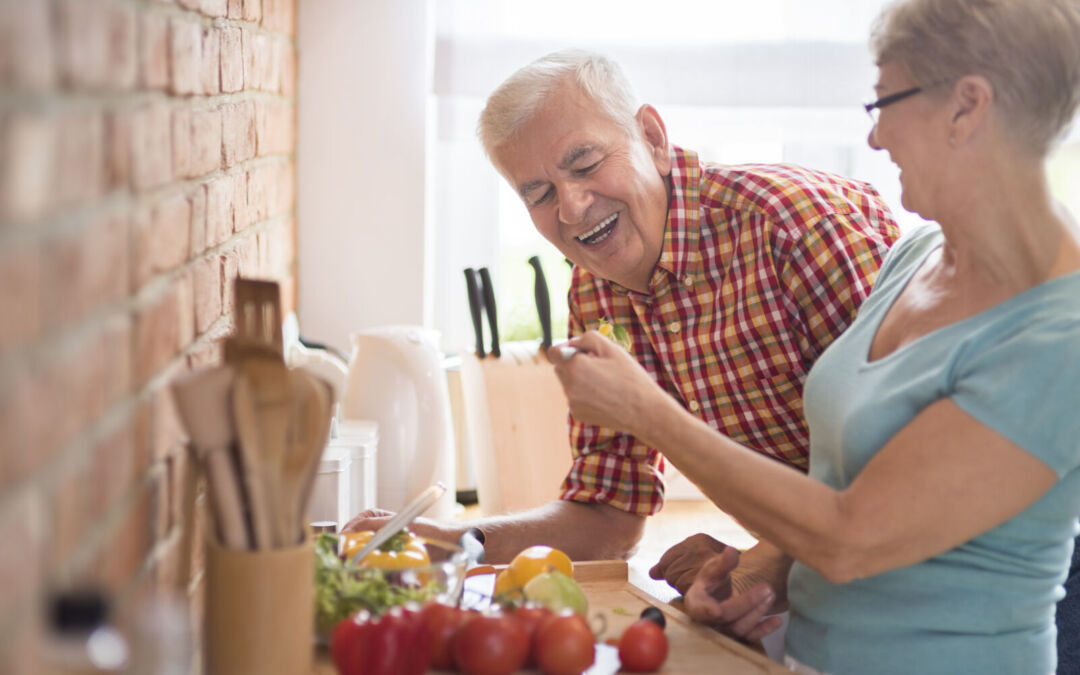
{"x":364,"y":78}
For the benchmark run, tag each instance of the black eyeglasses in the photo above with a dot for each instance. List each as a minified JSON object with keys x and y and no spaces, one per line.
{"x":872,"y":109}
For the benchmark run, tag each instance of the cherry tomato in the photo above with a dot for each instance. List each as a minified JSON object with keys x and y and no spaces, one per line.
{"x":442,"y":622}
{"x":531,"y":617}
{"x":565,"y":644}
{"x":490,"y":644}
{"x":643,"y":647}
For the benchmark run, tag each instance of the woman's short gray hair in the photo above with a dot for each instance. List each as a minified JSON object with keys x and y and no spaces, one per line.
{"x":518,"y":98}
{"x":1029,"y":51}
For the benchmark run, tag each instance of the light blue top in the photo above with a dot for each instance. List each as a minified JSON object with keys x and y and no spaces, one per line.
{"x":986,"y":606}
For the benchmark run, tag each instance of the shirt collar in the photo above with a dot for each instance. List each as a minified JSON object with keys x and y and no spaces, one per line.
{"x":680,"y":258}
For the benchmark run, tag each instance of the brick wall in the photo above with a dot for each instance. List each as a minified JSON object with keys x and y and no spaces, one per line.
{"x":146,"y":159}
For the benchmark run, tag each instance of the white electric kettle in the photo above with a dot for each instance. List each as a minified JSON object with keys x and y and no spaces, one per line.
{"x":396,"y":378}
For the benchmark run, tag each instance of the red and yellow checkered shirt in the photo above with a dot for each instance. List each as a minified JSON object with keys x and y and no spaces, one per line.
{"x":762,"y":267}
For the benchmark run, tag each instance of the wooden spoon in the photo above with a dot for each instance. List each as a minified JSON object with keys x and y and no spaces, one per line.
{"x":309,"y":429}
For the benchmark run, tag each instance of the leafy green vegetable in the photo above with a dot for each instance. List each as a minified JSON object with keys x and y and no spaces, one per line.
{"x":342,"y":591}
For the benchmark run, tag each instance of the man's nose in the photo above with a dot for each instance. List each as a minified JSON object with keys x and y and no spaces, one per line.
{"x":574,"y":201}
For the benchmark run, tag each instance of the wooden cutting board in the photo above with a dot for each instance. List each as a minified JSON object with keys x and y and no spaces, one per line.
{"x":693,"y":648}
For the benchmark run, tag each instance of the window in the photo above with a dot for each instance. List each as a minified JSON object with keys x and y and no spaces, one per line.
{"x":770,"y":81}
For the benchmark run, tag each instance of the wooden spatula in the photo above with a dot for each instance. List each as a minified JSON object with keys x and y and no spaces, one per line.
{"x":262,"y":401}
{"x":308,"y":431}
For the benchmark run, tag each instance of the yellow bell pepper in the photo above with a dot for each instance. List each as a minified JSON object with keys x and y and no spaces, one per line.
{"x":401,"y":551}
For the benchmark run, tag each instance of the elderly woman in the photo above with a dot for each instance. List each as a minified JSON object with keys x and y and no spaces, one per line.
{"x":936,"y":526}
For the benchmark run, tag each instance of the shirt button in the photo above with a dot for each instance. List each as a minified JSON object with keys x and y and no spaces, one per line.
{"x":694,"y":406}
{"x":688,"y":280}
{"x":674,"y":327}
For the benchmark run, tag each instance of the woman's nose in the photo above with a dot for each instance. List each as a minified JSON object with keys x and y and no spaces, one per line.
{"x":871,"y":138}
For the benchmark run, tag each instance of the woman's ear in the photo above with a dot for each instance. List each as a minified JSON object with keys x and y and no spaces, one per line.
{"x":655,"y":135}
{"x":972,"y":99}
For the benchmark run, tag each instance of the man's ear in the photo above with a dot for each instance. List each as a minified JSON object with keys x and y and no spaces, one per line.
{"x":972,"y":98}
{"x":654,"y":133}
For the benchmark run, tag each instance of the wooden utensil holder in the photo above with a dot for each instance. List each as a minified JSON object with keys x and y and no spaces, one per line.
{"x":260,"y":610}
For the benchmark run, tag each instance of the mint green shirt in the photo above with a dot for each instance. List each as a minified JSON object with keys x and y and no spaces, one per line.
{"x":986,"y":606}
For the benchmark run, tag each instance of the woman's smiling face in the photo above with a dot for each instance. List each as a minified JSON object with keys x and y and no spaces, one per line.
{"x":593,"y":190}
{"x":906,"y":131}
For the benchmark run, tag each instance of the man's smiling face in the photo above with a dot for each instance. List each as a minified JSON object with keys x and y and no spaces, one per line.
{"x":593,"y":190}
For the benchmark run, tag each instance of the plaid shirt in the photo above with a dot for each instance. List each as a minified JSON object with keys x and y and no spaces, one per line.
{"x":762,"y":267}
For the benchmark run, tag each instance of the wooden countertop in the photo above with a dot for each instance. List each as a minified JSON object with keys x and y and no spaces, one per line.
{"x":693,"y":648}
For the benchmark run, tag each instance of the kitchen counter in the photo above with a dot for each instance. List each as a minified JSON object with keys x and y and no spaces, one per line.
{"x":693,"y":648}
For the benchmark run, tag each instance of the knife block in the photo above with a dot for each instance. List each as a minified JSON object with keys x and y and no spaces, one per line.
{"x":260,"y":610}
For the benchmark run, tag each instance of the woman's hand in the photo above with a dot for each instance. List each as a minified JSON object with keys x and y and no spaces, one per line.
{"x":604,"y":385}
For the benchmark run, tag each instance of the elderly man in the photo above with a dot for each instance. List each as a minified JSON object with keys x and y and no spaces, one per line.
{"x":730,"y":281}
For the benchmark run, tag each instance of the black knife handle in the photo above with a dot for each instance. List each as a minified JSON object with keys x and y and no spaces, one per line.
{"x":543,"y":302}
{"x":475,"y":303}
{"x":489,"y":306}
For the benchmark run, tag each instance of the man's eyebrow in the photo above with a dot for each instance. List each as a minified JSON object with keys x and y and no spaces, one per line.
{"x":573,"y":155}
{"x":529,"y":187}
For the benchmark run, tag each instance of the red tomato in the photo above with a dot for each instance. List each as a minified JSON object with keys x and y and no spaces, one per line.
{"x":490,"y":644}
{"x":442,"y":622}
{"x":643,"y":647}
{"x":531,"y":618}
{"x":394,"y":644}
{"x":565,"y":644}
{"x":348,"y":643}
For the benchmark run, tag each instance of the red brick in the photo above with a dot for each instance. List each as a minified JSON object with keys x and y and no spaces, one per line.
{"x":268,"y":63}
{"x":185,"y":51}
{"x":232,"y":59}
{"x":151,"y":159}
{"x":274,"y":130}
{"x":288,"y":70}
{"x":71,"y":517}
{"x":208,"y":353}
{"x":161,"y":236}
{"x":207,"y":278}
{"x":115,"y":336}
{"x":169,"y":435}
{"x":27,"y":166}
{"x":259,"y":184}
{"x":214,"y":8}
{"x":20,"y":294}
{"x":252,"y":10}
{"x":236,"y":9}
{"x":118,"y":149}
{"x":156,"y":335}
{"x":181,"y":143}
{"x":31,"y":421}
{"x":153,"y":50}
{"x":241,"y":213}
{"x":210,"y":70}
{"x":197,"y":199}
{"x":230,"y":270}
{"x":247,"y":49}
{"x":248,"y":250}
{"x":85,"y":269}
{"x":238,"y":132}
{"x":125,"y":552}
{"x":111,"y":474}
{"x":219,"y":210}
{"x":186,"y":309}
{"x":22,"y":557}
{"x":205,"y":141}
{"x":97,"y":44}
{"x":26,"y":45}
{"x":80,"y":163}
{"x":279,"y":16}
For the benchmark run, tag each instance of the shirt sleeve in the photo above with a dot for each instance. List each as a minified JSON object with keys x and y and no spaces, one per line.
{"x":610,"y":467}
{"x":1022,"y":384}
{"x":829,"y":272}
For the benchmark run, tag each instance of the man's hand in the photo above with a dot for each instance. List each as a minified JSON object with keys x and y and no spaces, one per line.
{"x":373,"y":519}
{"x":704,"y":571}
